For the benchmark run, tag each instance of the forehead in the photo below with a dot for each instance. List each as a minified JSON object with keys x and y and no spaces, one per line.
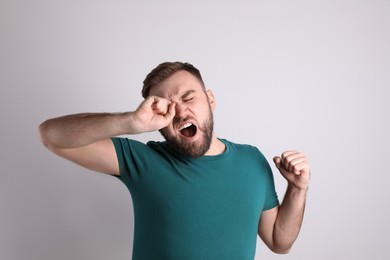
{"x":176,"y":85}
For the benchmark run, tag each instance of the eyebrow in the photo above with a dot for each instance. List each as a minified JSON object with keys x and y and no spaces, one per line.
{"x":187,"y":93}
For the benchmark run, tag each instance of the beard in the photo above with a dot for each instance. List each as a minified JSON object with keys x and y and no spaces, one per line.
{"x":192,"y":149}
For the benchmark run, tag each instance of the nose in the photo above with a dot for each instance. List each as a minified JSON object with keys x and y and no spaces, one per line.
{"x":181,"y":110}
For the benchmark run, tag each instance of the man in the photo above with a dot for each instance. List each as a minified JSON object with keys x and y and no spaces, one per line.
{"x":195,"y":196}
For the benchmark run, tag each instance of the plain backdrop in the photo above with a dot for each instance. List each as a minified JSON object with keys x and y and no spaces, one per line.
{"x":307,"y":75}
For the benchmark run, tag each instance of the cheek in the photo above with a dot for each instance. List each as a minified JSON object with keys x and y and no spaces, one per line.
{"x":203,"y":113}
{"x":169,"y":129}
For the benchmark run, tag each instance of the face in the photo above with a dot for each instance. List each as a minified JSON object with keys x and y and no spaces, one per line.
{"x":191,"y":131}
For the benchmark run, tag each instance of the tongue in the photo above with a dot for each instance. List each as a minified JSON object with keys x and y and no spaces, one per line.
{"x":189,"y":131}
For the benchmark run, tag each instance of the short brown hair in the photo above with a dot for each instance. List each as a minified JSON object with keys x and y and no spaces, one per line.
{"x":164,"y":71}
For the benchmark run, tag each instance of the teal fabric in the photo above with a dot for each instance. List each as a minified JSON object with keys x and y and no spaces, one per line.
{"x":195,"y":209}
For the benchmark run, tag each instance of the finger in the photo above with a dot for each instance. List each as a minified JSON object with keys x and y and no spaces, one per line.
{"x":291,"y":162}
{"x":286,"y":154}
{"x":295,"y":166}
{"x":277,"y":161}
{"x":288,"y":157}
{"x":171,"y":111}
{"x":149,"y":102}
{"x":160,"y":106}
{"x":300,"y":168}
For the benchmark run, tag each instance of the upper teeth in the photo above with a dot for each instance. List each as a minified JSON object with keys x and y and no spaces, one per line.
{"x":184,"y":126}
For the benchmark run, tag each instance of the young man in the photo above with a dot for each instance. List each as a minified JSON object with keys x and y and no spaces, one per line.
{"x":195,"y":196}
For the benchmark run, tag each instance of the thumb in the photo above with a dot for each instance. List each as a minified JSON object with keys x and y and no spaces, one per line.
{"x":277,"y":161}
{"x":171,"y":111}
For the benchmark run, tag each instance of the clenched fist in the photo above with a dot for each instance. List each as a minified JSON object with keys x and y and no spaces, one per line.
{"x":294,"y":167}
{"x":153,"y":114}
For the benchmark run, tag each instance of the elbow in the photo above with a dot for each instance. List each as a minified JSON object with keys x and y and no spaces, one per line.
{"x":281,"y":251}
{"x":44,"y":134}
{"x":281,"y":248}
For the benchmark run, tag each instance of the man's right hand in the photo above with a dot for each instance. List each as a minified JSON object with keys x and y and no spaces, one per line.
{"x":153,"y":114}
{"x":85,"y":138}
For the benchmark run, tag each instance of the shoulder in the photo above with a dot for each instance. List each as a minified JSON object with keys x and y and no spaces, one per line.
{"x":132,"y":142}
{"x":240,"y":147}
{"x":245,"y":150}
{"x":132,"y":146}
{"x":124,"y":143}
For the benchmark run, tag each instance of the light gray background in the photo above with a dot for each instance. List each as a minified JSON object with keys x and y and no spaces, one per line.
{"x":306,"y":75}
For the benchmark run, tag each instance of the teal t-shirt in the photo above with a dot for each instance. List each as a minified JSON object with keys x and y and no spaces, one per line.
{"x":195,"y":209}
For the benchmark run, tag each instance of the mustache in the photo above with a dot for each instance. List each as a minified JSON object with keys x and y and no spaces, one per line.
{"x":176,"y":121}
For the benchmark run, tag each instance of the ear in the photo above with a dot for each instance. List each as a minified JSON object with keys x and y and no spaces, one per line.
{"x":211,"y":99}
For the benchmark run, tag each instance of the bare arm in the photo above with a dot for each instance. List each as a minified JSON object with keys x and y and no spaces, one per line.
{"x":85,"y":138}
{"x":280,"y":226}
{"x":73,"y":131}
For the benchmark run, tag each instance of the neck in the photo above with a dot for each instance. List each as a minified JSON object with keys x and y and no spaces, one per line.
{"x":216,"y":147}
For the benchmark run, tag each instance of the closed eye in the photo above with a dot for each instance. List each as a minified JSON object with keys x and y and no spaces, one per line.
{"x":188,"y":96}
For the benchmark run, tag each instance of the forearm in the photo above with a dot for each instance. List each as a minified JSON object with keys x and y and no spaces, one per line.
{"x":289,"y":219}
{"x":77,"y":130}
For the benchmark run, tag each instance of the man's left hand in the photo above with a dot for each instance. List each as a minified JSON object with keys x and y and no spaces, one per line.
{"x":294,"y":167}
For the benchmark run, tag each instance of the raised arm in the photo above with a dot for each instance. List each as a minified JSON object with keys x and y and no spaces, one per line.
{"x":85,"y":138}
{"x":279,"y":227}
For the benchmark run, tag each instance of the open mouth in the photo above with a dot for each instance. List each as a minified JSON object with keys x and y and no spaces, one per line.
{"x":188,"y":130}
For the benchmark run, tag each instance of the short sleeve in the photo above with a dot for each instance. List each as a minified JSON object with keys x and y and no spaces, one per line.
{"x":271,"y":197}
{"x":131,"y":156}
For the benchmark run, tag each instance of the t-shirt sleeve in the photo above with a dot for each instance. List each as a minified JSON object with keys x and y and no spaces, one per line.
{"x":131,"y":160}
{"x":271,"y":197}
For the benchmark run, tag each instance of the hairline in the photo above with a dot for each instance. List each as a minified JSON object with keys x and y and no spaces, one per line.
{"x":193,"y":74}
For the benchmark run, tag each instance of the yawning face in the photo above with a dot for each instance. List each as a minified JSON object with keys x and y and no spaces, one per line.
{"x":187,"y":129}
{"x":192,"y":140}
{"x":191,"y":131}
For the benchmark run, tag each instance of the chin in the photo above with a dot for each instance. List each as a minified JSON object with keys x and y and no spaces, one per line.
{"x":194,"y":148}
